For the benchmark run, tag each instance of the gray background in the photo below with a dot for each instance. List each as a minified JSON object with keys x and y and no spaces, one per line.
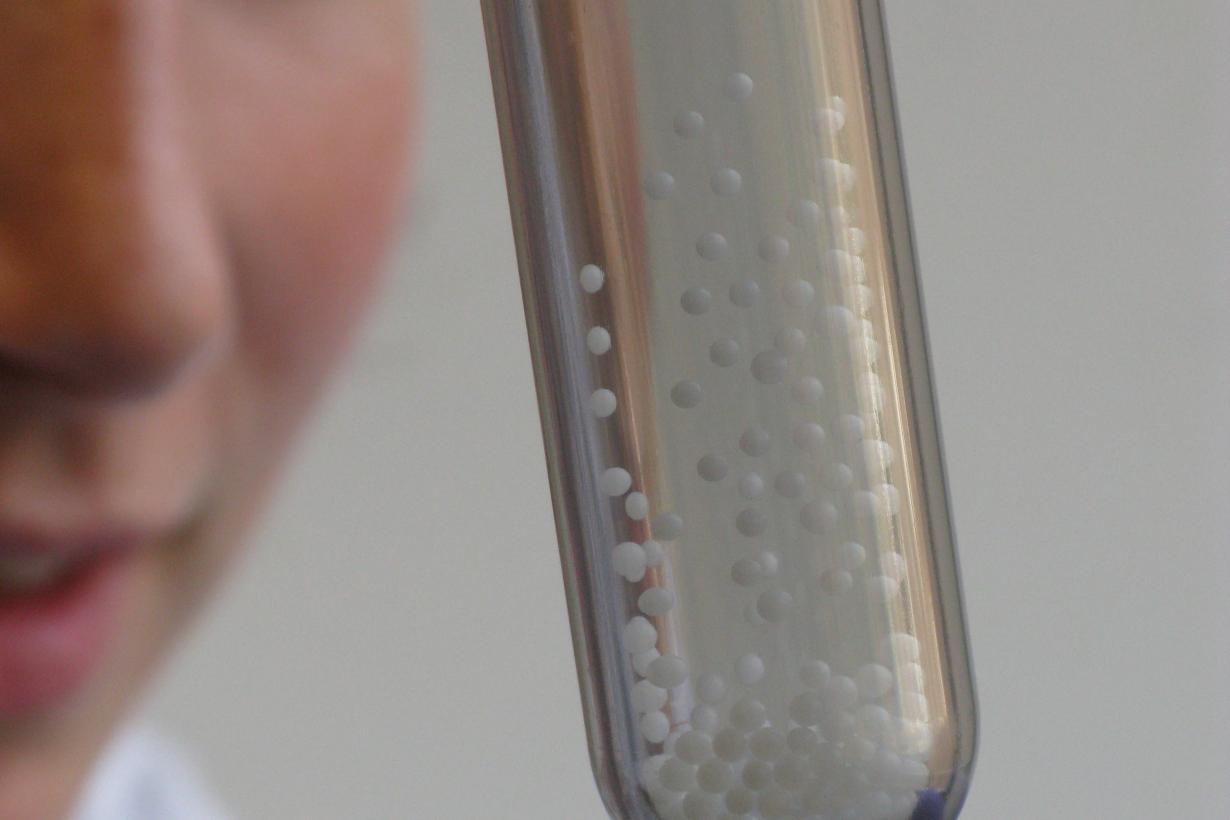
{"x":397,"y":647}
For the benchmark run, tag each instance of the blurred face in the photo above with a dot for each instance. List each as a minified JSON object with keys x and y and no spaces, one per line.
{"x":195,"y":196}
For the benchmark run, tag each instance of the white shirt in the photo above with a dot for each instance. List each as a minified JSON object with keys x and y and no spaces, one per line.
{"x":143,"y":776}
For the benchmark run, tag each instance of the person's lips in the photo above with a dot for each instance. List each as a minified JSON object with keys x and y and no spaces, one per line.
{"x":59,"y":597}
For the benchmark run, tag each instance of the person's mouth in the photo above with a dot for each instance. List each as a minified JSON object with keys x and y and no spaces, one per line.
{"x":60,"y":594}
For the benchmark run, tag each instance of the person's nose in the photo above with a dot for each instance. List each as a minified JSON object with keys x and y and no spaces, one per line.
{"x":111,"y":277}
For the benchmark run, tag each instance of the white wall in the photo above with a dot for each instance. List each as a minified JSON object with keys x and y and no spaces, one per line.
{"x":397,"y":645}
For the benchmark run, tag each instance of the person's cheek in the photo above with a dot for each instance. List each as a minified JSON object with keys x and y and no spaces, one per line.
{"x":305,"y":121}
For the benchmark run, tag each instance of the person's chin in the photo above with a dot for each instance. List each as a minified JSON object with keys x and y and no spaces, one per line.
{"x":76,"y":648}
{"x":60,"y":611}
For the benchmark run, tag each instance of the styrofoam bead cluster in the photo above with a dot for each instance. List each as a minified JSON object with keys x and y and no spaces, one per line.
{"x":803,"y":497}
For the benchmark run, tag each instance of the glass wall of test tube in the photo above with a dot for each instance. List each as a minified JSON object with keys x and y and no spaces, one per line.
{"x":728,"y":343}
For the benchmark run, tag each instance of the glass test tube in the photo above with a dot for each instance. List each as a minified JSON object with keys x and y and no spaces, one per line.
{"x":729,"y":349}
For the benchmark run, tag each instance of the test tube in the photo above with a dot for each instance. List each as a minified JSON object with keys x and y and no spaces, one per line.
{"x":728,"y":343}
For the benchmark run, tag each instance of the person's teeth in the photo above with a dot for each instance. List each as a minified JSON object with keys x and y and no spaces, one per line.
{"x":23,"y":573}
